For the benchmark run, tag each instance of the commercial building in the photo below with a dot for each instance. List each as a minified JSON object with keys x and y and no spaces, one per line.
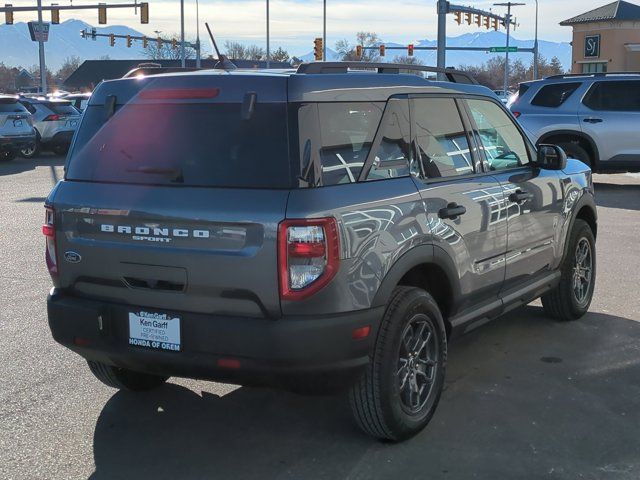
{"x":606,"y":39}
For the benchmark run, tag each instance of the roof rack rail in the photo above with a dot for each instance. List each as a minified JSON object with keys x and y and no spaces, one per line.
{"x":593,"y":74}
{"x":454,"y":76}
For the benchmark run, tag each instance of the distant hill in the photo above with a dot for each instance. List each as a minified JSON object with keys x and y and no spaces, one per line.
{"x":561,"y":50}
{"x":17,"y":49}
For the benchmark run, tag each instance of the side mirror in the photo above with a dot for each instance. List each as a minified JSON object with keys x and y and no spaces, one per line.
{"x":551,"y":157}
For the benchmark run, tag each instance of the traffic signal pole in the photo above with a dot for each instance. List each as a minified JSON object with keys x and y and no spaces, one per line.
{"x":43,"y":65}
{"x":443,"y":9}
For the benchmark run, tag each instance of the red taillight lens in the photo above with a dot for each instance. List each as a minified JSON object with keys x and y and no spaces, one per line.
{"x":517,"y":114}
{"x":179,"y":93}
{"x":49,"y":231}
{"x":308,"y":256}
{"x":51,"y":118}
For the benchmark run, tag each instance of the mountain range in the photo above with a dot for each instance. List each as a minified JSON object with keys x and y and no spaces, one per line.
{"x":17,"y":49}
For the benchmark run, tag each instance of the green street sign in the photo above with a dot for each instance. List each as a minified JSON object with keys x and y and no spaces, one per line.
{"x":502,"y":49}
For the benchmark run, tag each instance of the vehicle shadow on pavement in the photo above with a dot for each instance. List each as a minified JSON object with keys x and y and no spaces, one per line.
{"x":524,"y":395}
{"x":613,"y":195}
{"x":20,"y":165}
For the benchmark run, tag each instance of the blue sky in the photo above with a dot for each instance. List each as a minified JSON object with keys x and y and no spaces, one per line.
{"x":295,"y":23}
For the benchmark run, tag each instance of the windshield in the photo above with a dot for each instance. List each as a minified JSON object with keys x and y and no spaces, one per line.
{"x":196,"y":144}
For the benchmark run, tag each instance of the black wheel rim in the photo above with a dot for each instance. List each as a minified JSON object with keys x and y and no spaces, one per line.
{"x":417,"y":364}
{"x":582,"y":272}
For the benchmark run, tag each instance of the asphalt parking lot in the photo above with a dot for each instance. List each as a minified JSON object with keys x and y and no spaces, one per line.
{"x":526,"y":398}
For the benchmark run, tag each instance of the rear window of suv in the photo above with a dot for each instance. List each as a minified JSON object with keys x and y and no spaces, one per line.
{"x":62,"y":108}
{"x":10,"y":105}
{"x":191,"y":144}
{"x":554,"y":95}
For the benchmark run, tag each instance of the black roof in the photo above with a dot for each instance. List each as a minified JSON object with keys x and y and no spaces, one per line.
{"x":618,"y":10}
{"x":92,"y":72}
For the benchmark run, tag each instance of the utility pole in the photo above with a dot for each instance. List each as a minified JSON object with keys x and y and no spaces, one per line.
{"x":324,"y":31}
{"x":183,"y":57}
{"x":443,"y":9}
{"x":268,"y":39}
{"x":198,"y":56}
{"x":507,"y":21}
{"x":43,"y":66}
{"x":535,"y":48}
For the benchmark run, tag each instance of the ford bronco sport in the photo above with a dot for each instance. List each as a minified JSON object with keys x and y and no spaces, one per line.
{"x":310,"y":229}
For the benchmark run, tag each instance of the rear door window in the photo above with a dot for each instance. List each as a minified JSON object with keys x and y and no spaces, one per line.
{"x":554,"y":95}
{"x":441,"y":139}
{"x":194,"y":144}
{"x":614,"y":96}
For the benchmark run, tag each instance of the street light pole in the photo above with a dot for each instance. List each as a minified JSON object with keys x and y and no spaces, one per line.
{"x":182,"y":49}
{"x":507,"y":21}
{"x":198,"y":56}
{"x":268,"y":39}
{"x":443,"y":7}
{"x":43,"y":66}
{"x":535,"y":48}
{"x":324,"y":31}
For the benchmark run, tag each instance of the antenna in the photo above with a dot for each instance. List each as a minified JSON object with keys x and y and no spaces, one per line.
{"x":223,"y":61}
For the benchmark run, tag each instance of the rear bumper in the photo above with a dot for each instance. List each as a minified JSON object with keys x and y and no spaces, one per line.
{"x":270,"y":352}
{"x":17,"y":143}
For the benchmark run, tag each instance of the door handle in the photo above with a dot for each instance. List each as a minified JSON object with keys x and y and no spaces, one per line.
{"x":519,"y":196}
{"x":592,"y":120}
{"x":452,"y":211}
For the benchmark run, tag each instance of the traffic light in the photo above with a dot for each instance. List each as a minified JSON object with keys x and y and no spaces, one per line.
{"x":479,"y":20}
{"x":174,"y":43}
{"x":112,"y":40}
{"x":8,"y":15}
{"x":410,"y":50}
{"x":487,"y":22}
{"x":467,"y":18}
{"x":496,"y":25}
{"x":458,"y":17}
{"x":102,"y":14}
{"x":55,"y":15}
{"x":144,"y":12}
{"x":318,"y":48}
{"x":382,"y":50}
{"x":359,"y":51}
{"x":128,"y":41}
{"x":145,"y":42}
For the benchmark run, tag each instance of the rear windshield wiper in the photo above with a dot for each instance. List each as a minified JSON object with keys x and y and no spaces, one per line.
{"x":174,"y":173}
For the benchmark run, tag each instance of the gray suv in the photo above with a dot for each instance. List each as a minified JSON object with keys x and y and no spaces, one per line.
{"x":593,"y":117}
{"x":311,"y":230}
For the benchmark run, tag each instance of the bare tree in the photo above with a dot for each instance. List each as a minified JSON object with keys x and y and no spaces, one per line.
{"x":254,"y":52}
{"x":280,"y":55}
{"x":407,"y":60}
{"x":347,"y":52}
{"x":69,"y":66}
{"x":235,"y":50}
{"x":166,"y":51}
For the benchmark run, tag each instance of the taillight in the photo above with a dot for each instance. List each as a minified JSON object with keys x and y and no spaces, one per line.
{"x":52,"y":118}
{"x":308,"y":256}
{"x":49,"y":231}
{"x":517,"y":114}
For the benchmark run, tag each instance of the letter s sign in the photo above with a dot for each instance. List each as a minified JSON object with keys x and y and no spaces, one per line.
{"x":592,"y":46}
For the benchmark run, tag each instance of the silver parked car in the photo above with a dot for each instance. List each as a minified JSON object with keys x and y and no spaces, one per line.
{"x":593,"y":117}
{"x":16,"y":128}
{"x":55,"y":121}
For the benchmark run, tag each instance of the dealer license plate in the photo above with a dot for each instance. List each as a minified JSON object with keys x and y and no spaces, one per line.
{"x":157,"y":331}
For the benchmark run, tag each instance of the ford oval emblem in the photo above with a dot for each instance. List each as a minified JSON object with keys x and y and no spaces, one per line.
{"x":72,"y":257}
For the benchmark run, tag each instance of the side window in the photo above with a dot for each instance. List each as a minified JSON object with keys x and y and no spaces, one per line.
{"x":614,"y":96}
{"x":29,"y":107}
{"x":554,"y":95}
{"x":441,"y":140}
{"x":503,"y":145}
{"x":393,"y":153}
{"x":347,"y":132}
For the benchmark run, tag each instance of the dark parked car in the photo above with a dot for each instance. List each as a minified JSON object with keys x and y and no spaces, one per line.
{"x":311,"y":229}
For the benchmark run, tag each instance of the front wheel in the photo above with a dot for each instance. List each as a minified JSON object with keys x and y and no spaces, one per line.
{"x":400,"y":390}
{"x":60,"y":149}
{"x":574,"y":150}
{"x":572,"y":297}
{"x":124,"y":379}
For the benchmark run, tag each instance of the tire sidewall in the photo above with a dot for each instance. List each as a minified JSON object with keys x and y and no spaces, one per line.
{"x":403,"y":424}
{"x":581,"y":230}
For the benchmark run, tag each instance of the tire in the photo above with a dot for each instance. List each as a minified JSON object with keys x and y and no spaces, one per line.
{"x":574,"y":150}
{"x":568,"y":301}
{"x":31,"y":152}
{"x":380,"y":405}
{"x":124,"y":379}
{"x":7,"y":155}
{"x":60,"y":149}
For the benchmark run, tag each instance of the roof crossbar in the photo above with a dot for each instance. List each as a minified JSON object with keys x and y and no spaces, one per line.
{"x":454,"y":76}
